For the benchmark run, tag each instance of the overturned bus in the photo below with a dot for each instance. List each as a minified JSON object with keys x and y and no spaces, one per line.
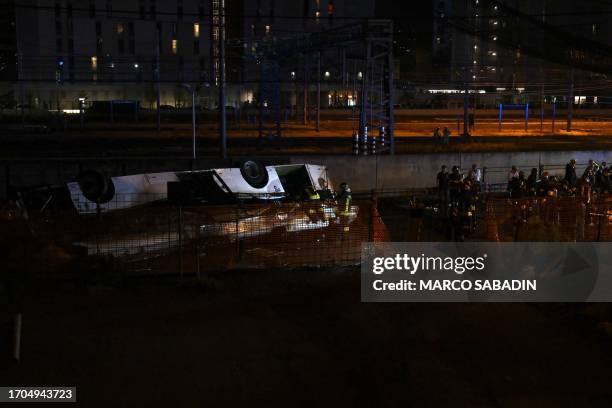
{"x":92,"y":192}
{"x":229,"y":204}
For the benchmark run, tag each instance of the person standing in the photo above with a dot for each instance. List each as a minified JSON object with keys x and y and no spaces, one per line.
{"x":586,"y":182}
{"x":513,"y":173}
{"x":443,"y":188}
{"x":599,"y":174}
{"x":513,"y":176}
{"x":455,"y":184}
{"x":446,"y":135}
{"x":477,"y":173}
{"x":606,"y":183}
{"x":570,"y":173}
{"x":345,"y":196}
{"x":532,"y":182}
{"x":437,"y":135}
{"x":478,"y":176}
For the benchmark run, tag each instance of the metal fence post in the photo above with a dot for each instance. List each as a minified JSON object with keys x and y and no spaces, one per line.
{"x":239,"y":243}
{"x":97,"y":228}
{"x":371,"y":222}
{"x":554,"y":115}
{"x":16,"y":355}
{"x":180,"y":240}
{"x":599,"y":227}
{"x":197,"y":257}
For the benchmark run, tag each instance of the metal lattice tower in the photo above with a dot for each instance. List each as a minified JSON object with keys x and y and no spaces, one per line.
{"x":367,"y":45}
{"x":376,"y":105}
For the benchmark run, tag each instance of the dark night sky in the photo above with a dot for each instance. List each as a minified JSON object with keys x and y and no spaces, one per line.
{"x":419,"y":26}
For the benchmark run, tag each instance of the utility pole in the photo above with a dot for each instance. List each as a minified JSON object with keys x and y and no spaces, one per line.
{"x":542,"y":108}
{"x":554,"y":114}
{"x":193,"y":120}
{"x":319,"y":92}
{"x":570,"y":101}
{"x":391,"y":128}
{"x":158,"y":91}
{"x":363,"y":103}
{"x":305,"y":89}
{"x":466,"y":103}
{"x":20,"y":79}
{"x":222,"y":113}
{"x":344,"y":76}
{"x":194,"y":90}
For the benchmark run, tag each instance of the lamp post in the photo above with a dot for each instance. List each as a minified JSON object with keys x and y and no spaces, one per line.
{"x":81,"y":110}
{"x":194,"y":90}
{"x":319,"y":90}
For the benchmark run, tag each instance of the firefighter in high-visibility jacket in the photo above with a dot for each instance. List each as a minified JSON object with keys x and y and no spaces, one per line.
{"x":345,"y":197}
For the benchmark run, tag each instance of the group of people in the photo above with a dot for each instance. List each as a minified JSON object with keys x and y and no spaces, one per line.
{"x":458,"y":195}
{"x":455,"y":189}
{"x":442,"y":136}
{"x":596,"y":177}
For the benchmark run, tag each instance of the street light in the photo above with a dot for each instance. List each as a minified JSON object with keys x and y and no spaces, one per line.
{"x":194,"y":90}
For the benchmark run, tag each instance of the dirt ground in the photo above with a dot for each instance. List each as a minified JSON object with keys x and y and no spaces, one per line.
{"x":413,"y":135}
{"x":178,"y":143}
{"x":302,"y":338}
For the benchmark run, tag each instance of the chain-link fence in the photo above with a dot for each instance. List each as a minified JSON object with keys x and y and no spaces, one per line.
{"x":548,"y":219}
{"x":160,"y":238}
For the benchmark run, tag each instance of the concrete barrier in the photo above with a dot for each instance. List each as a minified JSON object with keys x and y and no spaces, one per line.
{"x":419,"y":170}
{"x":363,"y":173}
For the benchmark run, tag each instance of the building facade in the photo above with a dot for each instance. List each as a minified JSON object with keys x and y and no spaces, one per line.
{"x":104,"y":50}
{"x":100,"y":50}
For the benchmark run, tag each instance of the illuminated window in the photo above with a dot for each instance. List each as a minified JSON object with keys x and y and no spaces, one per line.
{"x":120,"y":28}
{"x":196,"y":30}
{"x":94,"y":62}
{"x":174,"y":46}
{"x":267,"y":29}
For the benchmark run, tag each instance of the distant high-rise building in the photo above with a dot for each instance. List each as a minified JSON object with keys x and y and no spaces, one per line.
{"x":8,"y":53}
{"x":496,"y":42}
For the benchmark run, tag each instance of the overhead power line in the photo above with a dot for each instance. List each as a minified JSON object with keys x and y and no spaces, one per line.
{"x":114,"y":13}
